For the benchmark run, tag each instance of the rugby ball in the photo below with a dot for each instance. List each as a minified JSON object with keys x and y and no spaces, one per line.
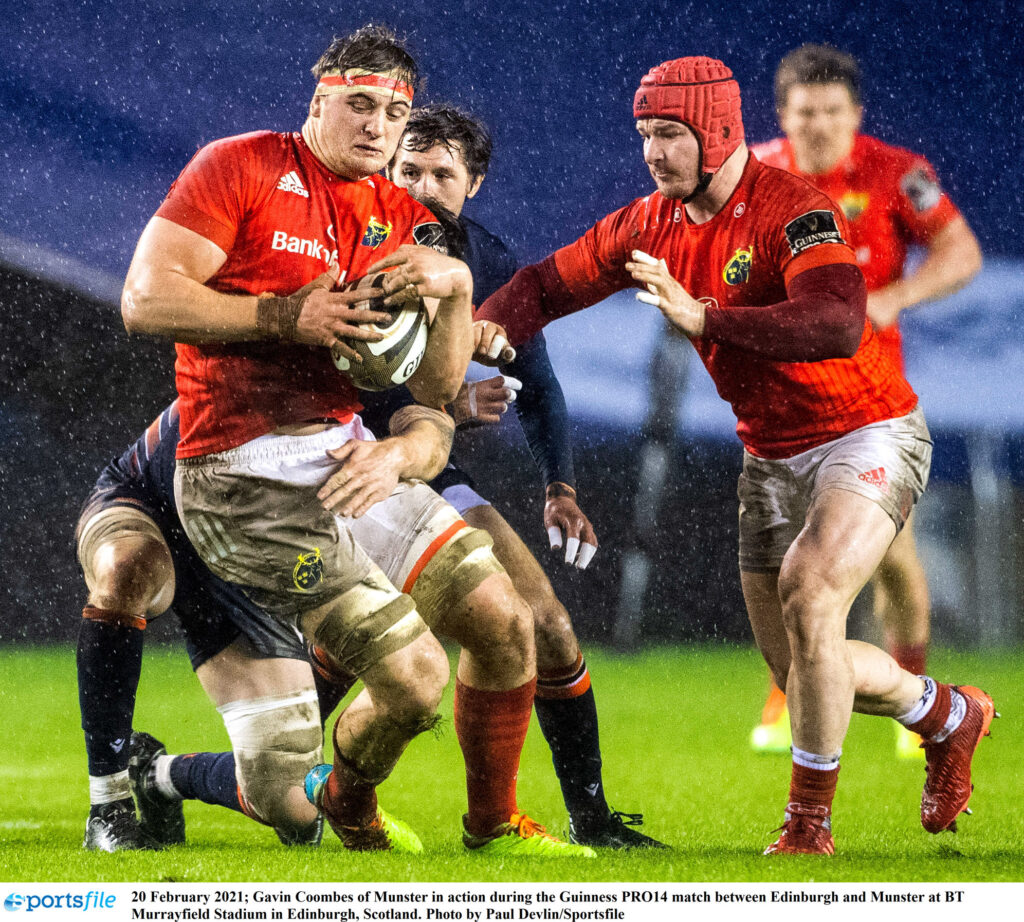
{"x":392,"y":360}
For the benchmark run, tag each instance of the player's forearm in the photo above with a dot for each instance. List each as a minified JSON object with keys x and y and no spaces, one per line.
{"x":162,"y":302}
{"x":822,"y":319}
{"x":443,"y":368}
{"x":422,"y":438}
{"x":952,"y":260}
{"x":542,"y":413}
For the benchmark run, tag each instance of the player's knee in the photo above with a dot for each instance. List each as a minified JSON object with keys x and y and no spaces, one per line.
{"x":276,"y":741}
{"x":133,"y":573}
{"x":496,"y":623}
{"x":415,"y":708}
{"x":555,"y":638}
{"x":808,"y":594}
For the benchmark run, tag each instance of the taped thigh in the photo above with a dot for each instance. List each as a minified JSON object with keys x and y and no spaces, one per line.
{"x":450,"y":570}
{"x":276,"y":741}
{"x":367,"y":623}
{"x":119,"y":523}
{"x":426,"y":548}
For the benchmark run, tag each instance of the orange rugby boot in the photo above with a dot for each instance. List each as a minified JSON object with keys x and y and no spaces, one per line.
{"x":948,"y":787}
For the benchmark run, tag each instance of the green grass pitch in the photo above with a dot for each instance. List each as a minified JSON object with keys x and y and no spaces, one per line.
{"x":674,"y":726}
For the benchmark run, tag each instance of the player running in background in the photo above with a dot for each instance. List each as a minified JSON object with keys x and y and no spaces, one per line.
{"x":443,"y":158}
{"x":892,"y":200}
{"x":266,"y":417}
{"x":753,"y":265}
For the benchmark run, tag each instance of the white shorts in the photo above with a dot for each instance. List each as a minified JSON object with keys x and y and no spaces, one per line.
{"x":253,"y":516}
{"x":887,"y":462}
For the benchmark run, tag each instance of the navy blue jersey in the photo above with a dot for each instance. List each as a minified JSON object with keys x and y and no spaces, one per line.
{"x":488,"y":259}
{"x":540,"y":406}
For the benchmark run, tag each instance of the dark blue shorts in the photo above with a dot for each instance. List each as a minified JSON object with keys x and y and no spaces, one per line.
{"x":212,"y":613}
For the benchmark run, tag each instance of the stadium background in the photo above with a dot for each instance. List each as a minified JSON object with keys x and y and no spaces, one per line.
{"x":104,"y":104}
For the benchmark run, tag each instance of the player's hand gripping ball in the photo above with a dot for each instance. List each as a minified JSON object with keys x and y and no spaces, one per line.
{"x":392,"y":360}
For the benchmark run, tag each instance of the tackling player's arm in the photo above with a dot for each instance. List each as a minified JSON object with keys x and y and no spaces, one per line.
{"x":369,"y":471}
{"x":953,"y":259}
{"x":823,"y":317}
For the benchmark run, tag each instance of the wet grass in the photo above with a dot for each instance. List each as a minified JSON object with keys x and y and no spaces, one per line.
{"x":675,"y":723}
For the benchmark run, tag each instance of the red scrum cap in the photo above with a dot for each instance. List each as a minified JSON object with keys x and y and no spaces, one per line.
{"x":702,"y":94}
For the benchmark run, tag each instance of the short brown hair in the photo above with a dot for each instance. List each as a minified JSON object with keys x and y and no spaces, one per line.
{"x":816,"y":64}
{"x":451,"y":126}
{"x":373,"y":47}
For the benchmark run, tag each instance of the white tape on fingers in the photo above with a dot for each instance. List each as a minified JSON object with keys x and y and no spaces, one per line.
{"x":572,"y":545}
{"x":648,"y":298}
{"x":640,"y":256}
{"x":555,"y":536}
{"x":587,"y":552}
{"x":512,"y":383}
{"x":497,"y":344}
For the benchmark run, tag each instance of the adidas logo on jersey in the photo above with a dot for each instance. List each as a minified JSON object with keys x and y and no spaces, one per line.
{"x":876,"y":478}
{"x":290,"y":182}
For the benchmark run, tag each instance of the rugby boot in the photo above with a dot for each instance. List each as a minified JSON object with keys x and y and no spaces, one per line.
{"x":522,"y":837}
{"x":772,"y":738}
{"x":385,"y":833}
{"x":114,"y":827}
{"x":806,"y":830}
{"x":612,"y":830}
{"x":948,"y":755}
{"x":161,"y":818}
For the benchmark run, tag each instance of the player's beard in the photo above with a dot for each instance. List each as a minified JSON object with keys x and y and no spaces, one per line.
{"x":672,"y":185}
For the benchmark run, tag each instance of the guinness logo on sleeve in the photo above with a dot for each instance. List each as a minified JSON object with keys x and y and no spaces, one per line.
{"x":811,"y":229}
{"x":431,"y":235}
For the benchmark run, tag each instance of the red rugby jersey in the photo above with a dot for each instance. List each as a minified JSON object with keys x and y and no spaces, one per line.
{"x":773,"y":227}
{"x":282,"y":217}
{"x":891,"y":199}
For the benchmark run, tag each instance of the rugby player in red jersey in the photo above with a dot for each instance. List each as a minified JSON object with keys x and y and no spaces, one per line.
{"x":753,"y":265}
{"x":892,"y":200}
{"x":237,"y":266}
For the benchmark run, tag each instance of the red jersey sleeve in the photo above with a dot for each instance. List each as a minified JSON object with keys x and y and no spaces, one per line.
{"x":922,"y":207}
{"x":214,"y":191}
{"x":806,"y":230}
{"x":572,"y":278}
{"x":594,"y":266}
